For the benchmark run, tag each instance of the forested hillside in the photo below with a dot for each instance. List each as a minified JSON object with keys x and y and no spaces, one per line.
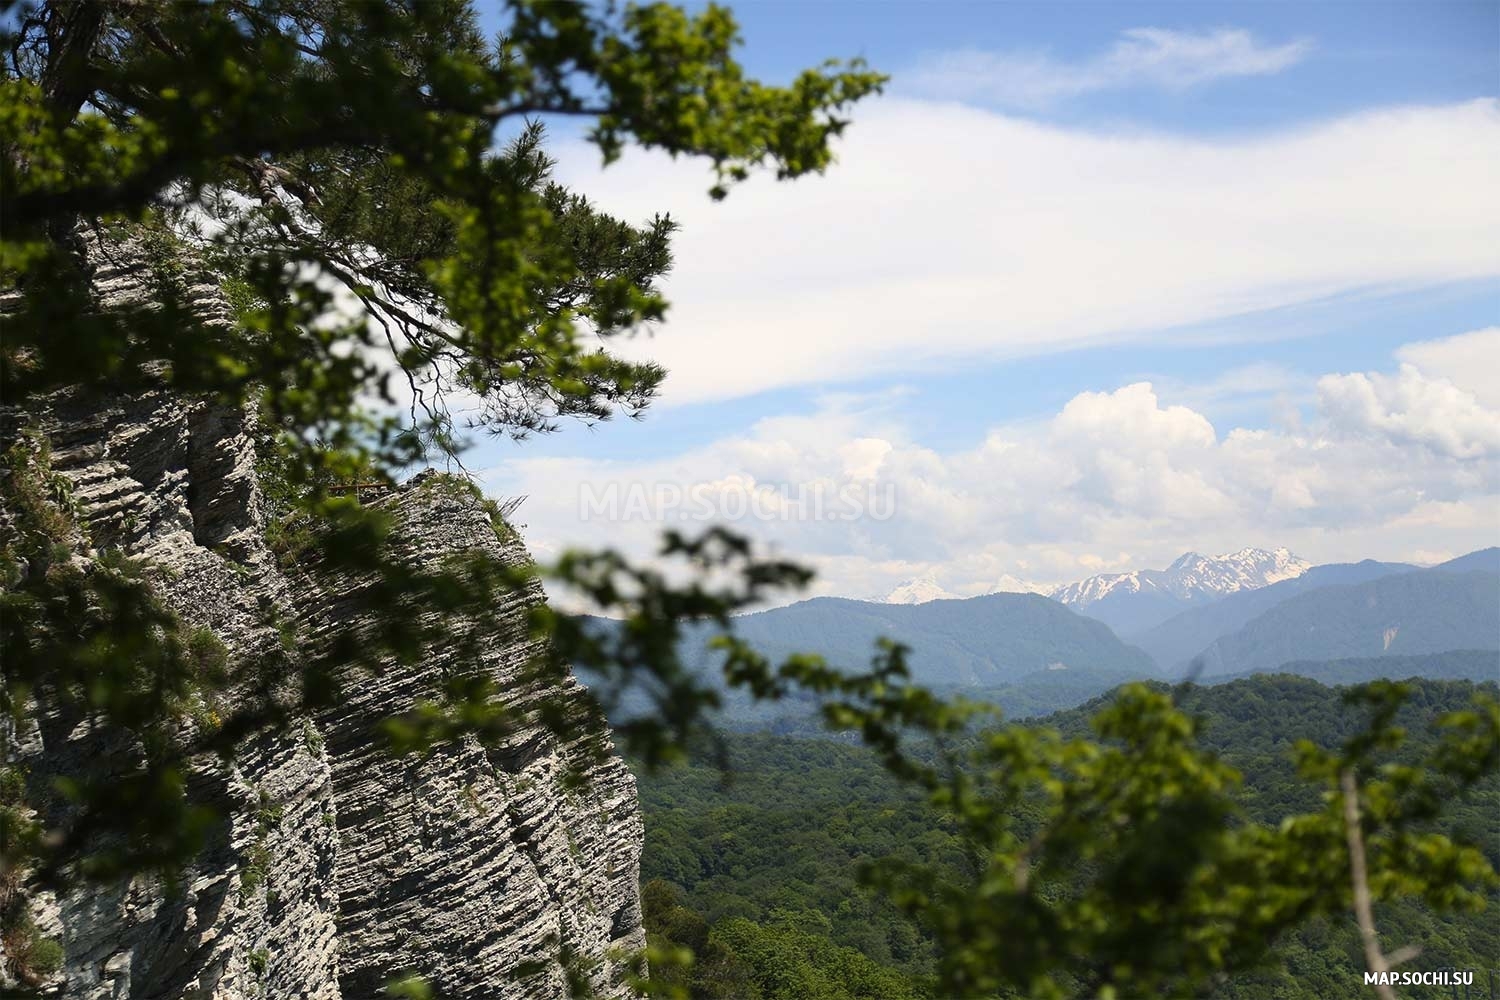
{"x":1040,"y":693}
{"x":756,"y":868}
{"x":1454,"y":665}
{"x":1023,"y":652}
{"x":1175,"y":641}
{"x":1481,"y":560}
{"x":982,"y":641}
{"x":1431,"y":611}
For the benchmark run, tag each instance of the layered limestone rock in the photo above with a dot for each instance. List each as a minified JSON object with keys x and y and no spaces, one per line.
{"x":493,"y":865}
{"x":341,"y":866}
{"x":172,"y":483}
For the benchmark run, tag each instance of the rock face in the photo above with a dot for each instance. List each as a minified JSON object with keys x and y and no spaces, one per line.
{"x":341,"y":867}
{"x":171,"y":483}
{"x":478,"y":860}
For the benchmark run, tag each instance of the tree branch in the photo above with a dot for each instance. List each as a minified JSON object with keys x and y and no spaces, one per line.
{"x":1364,"y":914}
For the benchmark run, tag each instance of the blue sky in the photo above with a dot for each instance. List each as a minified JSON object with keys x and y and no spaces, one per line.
{"x":1368,"y":52}
{"x":1282,"y":218}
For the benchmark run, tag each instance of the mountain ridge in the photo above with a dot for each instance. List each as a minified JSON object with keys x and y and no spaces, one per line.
{"x":924,"y":588}
{"x":1190,"y":575}
{"x":1421,"y":612}
{"x":1174,"y":642}
{"x":978,"y":641}
{"x":1133,"y":601}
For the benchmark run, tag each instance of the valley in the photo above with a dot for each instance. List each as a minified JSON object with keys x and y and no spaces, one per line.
{"x":757,"y":867}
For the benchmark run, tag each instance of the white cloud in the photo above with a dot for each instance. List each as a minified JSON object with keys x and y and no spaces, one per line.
{"x":949,"y":233}
{"x":1140,"y":57}
{"x":1130,"y":453}
{"x":1470,"y":361}
{"x":1387,"y":465}
{"x":1410,"y":407}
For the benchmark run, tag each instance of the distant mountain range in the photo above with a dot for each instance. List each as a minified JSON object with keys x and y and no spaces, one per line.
{"x":924,"y":588}
{"x":995,"y":639}
{"x":1272,"y":611}
{"x":1339,"y":624}
{"x":1453,"y":665}
{"x":1175,"y":641}
{"x":1448,"y":607}
{"x":1131,"y":602}
{"x":982,"y":641}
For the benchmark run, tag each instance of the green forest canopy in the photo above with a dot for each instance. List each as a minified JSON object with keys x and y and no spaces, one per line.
{"x":765,"y":863}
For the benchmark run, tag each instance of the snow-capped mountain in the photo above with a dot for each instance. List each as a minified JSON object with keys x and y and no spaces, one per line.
{"x":1008,"y":584}
{"x":919,"y":590}
{"x":1132,"y":601}
{"x":924,"y":588}
{"x":1192,"y":577}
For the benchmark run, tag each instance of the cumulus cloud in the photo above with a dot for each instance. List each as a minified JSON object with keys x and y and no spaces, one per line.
{"x":1392,"y":465}
{"x":1470,"y":361}
{"x":1140,"y":57}
{"x":949,"y":233}
{"x":1410,"y":407}
{"x":1129,"y":452}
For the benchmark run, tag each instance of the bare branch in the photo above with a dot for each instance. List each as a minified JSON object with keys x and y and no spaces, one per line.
{"x":1364,"y":913}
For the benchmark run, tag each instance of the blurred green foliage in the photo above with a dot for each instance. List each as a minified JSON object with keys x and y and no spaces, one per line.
{"x":366,"y":186}
{"x":789,"y":829}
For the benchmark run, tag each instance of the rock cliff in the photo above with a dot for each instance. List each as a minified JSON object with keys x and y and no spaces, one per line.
{"x":341,"y":866}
